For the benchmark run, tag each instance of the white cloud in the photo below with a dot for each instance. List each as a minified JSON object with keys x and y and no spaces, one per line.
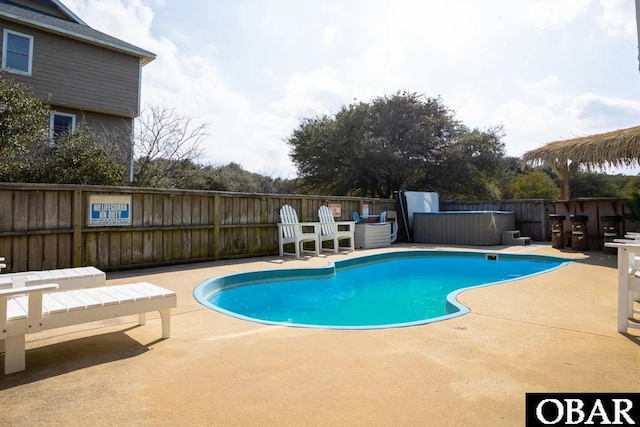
{"x":541,"y":88}
{"x":313,"y":93}
{"x":618,"y":17}
{"x":544,"y":14}
{"x":544,"y":111}
{"x":603,"y":113}
{"x":253,"y":72}
{"x":194,"y":86}
{"x":128,"y":20}
{"x":329,"y":35}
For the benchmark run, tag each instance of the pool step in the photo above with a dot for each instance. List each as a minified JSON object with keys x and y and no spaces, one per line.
{"x":512,"y":237}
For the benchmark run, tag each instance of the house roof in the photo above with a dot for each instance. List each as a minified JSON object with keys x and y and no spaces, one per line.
{"x":74,"y":28}
{"x":68,"y":12}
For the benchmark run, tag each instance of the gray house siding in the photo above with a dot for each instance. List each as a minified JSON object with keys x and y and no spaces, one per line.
{"x":42,"y":6}
{"x":112,"y":130}
{"x":78,"y":70}
{"x":102,"y":124}
{"x":76,"y":74}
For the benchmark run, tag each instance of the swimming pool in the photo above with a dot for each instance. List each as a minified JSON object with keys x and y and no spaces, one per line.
{"x":386,"y":290}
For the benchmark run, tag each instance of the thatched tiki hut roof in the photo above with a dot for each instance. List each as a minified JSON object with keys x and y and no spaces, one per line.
{"x":611,"y":149}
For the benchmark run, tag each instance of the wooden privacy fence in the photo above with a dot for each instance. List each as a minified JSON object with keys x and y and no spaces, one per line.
{"x":57,"y":226}
{"x":46,"y":226}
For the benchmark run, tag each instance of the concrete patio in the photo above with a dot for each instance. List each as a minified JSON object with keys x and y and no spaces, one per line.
{"x":553,"y":332}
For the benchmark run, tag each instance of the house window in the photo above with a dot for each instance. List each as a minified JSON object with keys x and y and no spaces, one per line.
{"x":61,"y":123}
{"x":17,"y":52}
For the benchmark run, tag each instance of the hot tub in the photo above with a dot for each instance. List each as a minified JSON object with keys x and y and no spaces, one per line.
{"x":482,"y":228}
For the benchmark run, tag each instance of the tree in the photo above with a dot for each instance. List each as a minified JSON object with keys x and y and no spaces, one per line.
{"x":166,"y":145}
{"x":73,"y":158}
{"x":589,"y":184}
{"x":535,"y":185}
{"x":82,"y":158}
{"x":24,"y":118}
{"x":232,"y":177}
{"x":511,"y":168}
{"x":317,"y":154}
{"x":472,"y":166}
{"x":632,"y":193}
{"x":405,"y":140}
{"x":29,"y":154}
{"x":632,"y":187}
{"x":372,"y":148}
{"x":409,"y":134}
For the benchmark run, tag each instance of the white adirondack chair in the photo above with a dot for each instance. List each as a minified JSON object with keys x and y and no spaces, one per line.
{"x":290,"y":230}
{"x":330,"y":230}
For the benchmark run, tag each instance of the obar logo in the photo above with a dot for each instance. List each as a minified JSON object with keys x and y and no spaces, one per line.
{"x":582,"y":409}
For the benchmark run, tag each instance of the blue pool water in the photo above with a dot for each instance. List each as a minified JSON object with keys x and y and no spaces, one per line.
{"x":379,"y":291}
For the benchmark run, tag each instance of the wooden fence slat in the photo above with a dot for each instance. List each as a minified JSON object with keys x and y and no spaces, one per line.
{"x":20,"y":206}
{"x":6,"y":211}
{"x":79,"y":256}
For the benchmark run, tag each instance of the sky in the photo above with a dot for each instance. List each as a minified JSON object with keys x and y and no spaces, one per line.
{"x":544,"y":70}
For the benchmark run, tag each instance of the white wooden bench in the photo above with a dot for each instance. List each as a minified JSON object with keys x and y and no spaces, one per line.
{"x":29,"y":309}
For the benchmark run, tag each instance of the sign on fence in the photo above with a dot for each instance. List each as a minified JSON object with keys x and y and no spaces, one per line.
{"x":111,"y":210}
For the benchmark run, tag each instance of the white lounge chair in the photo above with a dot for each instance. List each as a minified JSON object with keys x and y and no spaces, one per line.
{"x":290,"y":230}
{"x":65,"y":278}
{"x":29,"y":309}
{"x":330,"y":230}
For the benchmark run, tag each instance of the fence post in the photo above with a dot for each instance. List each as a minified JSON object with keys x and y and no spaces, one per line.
{"x":543,"y":219}
{"x":216,"y":227}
